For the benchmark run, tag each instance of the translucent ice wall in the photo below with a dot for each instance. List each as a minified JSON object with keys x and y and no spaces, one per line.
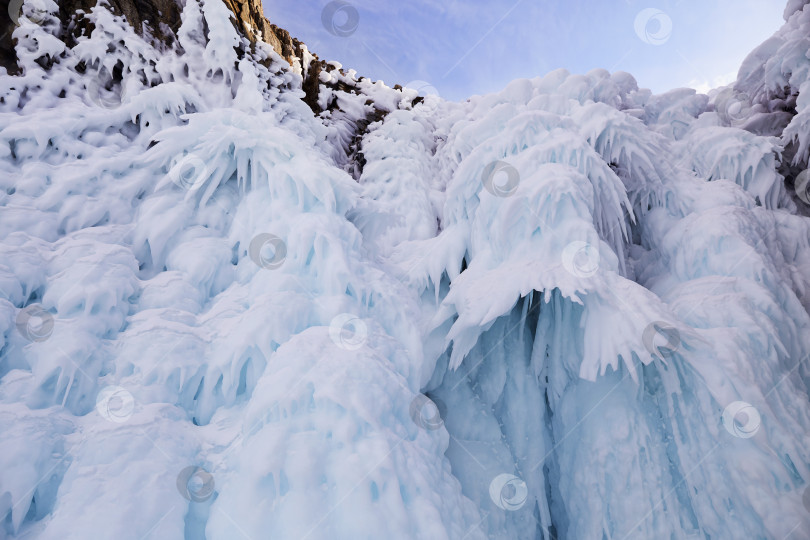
{"x":570,"y":309}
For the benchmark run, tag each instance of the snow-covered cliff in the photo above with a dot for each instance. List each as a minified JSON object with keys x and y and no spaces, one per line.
{"x":248,"y":293}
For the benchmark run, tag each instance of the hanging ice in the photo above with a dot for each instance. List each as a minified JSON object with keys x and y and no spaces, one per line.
{"x":571,"y":309}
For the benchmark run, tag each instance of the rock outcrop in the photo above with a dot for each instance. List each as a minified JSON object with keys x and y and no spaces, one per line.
{"x":159,"y":20}
{"x":324,"y":84}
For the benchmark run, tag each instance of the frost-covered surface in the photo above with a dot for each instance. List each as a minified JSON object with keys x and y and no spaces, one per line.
{"x":772,"y":95}
{"x":570,"y":309}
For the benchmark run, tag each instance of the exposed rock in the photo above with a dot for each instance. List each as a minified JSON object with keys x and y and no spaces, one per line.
{"x":254,"y":25}
{"x":160,"y":20}
{"x":7,"y":55}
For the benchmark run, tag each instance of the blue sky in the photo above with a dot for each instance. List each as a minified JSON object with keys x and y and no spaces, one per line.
{"x":477,"y":46}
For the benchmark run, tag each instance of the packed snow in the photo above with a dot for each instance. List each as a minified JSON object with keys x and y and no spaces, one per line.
{"x":570,"y":309}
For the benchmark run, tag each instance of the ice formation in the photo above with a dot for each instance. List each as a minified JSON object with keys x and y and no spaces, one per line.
{"x":570,"y":309}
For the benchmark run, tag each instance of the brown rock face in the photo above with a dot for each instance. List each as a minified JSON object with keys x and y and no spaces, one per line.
{"x":251,"y":21}
{"x":158,"y":18}
{"x":139,"y":13}
{"x":7,"y":56}
{"x":161,"y":20}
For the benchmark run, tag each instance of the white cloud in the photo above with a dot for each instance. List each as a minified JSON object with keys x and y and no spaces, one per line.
{"x":703,"y":86}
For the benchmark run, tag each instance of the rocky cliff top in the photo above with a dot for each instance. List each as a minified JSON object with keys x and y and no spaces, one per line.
{"x":159,"y":20}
